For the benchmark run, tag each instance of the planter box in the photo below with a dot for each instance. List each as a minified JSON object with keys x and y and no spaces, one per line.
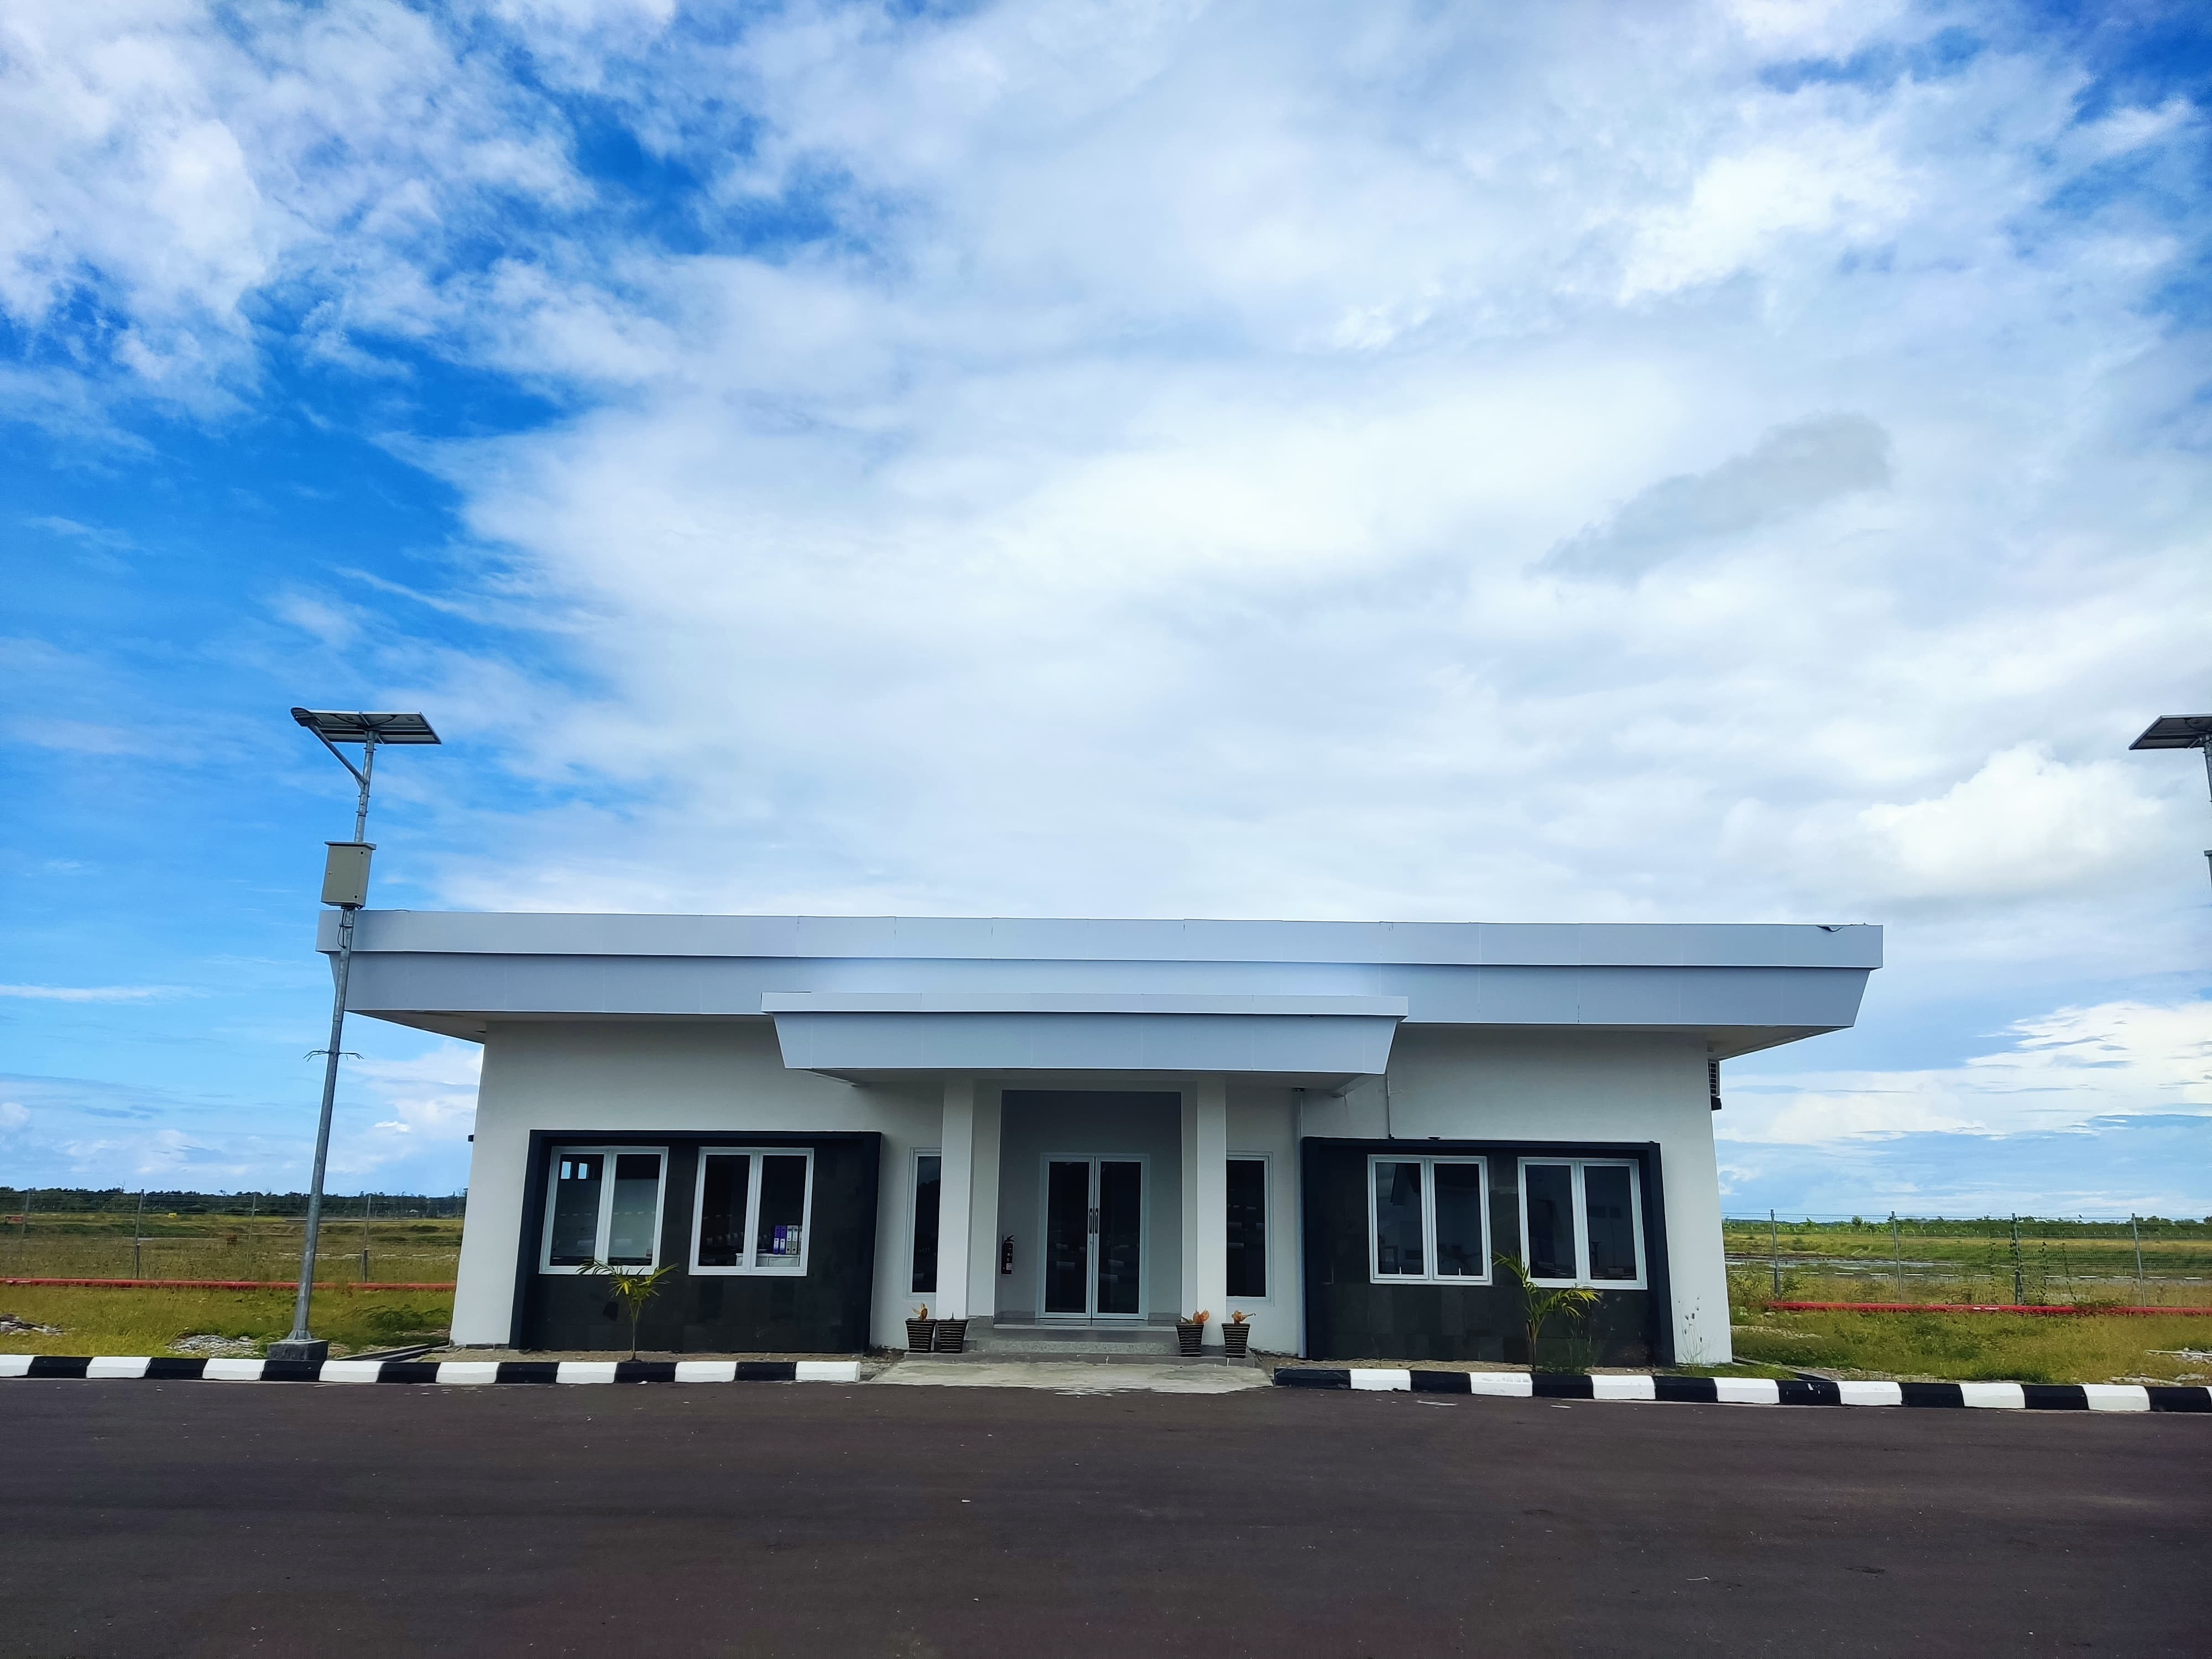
{"x":1235,"y":1340}
{"x":1189,"y":1337}
{"x":951,"y":1336}
{"x":920,"y":1335}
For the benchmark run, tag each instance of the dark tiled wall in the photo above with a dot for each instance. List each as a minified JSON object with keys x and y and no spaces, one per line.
{"x":1348,"y":1317}
{"x":825,"y":1312}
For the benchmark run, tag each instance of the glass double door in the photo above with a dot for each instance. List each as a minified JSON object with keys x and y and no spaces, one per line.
{"x":1094,"y":1238}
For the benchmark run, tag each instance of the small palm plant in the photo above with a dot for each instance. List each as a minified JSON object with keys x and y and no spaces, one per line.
{"x":631,"y":1287}
{"x":1540,"y":1307}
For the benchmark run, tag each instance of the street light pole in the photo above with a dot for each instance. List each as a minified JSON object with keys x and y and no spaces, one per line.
{"x":345,"y":885}
{"x":2182,"y":732}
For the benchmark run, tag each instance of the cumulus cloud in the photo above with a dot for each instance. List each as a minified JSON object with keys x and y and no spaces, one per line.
{"x":1125,"y":458}
{"x":2072,"y":1069}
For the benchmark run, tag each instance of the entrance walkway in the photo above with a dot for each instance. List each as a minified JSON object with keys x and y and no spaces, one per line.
{"x":1072,"y":1377}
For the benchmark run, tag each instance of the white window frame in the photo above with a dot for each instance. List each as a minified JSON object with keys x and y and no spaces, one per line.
{"x":749,"y":1268}
{"x":1267,"y":1216}
{"x":914,"y":1212}
{"x":1428,"y":1161}
{"x":606,"y":1206}
{"x":1581,"y":1219}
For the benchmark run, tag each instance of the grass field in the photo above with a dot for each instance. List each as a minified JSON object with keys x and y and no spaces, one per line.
{"x":100,"y":1246}
{"x":2053,"y":1262}
{"x":95,"y":1321}
{"x":1982,"y":1348}
{"x":1832,"y":1261}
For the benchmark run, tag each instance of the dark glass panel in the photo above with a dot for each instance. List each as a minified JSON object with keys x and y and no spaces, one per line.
{"x":1461,"y":1244}
{"x":577,"y":1187}
{"x":1121,"y":1238}
{"x":1612,"y":1220}
{"x":1067,"y":1238}
{"x":1398,"y":1219}
{"x":1247,"y":1227}
{"x":1551,"y":1190}
{"x":776,"y":1241}
{"x":928,"y":1183}
{"x":724,"y":1183}
{"x":634,"y":1220}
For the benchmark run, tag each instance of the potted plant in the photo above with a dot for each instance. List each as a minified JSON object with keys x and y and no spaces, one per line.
{"x":631,"y":1289}
{"x":1540,"y":1307}
{"x":920,"y":1330}
{"x":951,"y":1336}
{"x":1190,"y":1333}
{"x":1236,"y":1336}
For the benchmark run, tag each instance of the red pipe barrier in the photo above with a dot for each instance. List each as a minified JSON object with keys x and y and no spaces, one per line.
{"x":213,"y":1285}
{"x":1981,"y":1307}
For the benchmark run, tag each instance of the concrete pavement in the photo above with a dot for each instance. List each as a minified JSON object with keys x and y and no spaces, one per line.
{"x":202,"y":1519}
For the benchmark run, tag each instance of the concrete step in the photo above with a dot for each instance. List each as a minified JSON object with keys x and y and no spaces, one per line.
{"x":1154,"y":1338}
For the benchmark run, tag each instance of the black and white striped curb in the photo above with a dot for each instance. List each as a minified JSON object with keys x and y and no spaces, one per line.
{"x":1756,"y":1390}
{"x":449,"y":1372}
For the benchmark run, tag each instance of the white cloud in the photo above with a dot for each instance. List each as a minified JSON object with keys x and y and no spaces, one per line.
{"x":2062,"y":1071}
{"x":1135,"y":498}
{"x":93,"y":993}
{"x":431,"y":1097}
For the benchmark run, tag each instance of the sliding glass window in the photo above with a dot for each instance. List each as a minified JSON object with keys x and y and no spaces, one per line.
{"x":1428,"y":1220}
{"x":603,"y":1206}
{"x":1582,"y":1222}
{"x":753,"y":1211}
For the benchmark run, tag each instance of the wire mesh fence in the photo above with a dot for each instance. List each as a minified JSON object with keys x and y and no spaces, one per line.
{"x":2022,"y":1260}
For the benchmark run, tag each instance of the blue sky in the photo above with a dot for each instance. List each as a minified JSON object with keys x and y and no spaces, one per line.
{"x":1740,"y":461}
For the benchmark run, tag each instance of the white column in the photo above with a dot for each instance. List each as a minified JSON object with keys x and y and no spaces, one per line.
{"x":1205,"y":1202}
{"x":984,"y":1207}
{"x":956,"y":1198}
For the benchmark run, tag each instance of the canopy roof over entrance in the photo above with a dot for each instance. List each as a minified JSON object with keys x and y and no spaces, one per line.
{"x":856,"y":996}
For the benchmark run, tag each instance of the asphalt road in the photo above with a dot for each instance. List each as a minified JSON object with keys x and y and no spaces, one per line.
{"x":763,"y":1519}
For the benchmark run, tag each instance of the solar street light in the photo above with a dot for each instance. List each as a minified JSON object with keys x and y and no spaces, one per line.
{"x":345,"y":886}
{"x":2181,"y":731}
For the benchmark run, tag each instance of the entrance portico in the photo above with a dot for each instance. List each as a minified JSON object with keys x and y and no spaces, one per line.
{"x":1069,"y":1079}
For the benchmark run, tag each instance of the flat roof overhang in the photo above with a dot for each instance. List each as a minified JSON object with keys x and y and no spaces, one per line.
{"x":875,"y":997}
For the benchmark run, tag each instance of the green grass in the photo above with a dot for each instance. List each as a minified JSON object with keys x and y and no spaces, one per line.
{"x":1979,"y":1347}
{"x":2054,"y":1262}
{"x":99,"y":1246}
{"x":96,"y":1321}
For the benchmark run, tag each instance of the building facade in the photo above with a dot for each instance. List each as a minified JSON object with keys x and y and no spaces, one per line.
{"x":1335,"y":1128}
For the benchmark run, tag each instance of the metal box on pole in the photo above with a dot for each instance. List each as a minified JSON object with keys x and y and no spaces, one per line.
{"x":345,"y":873}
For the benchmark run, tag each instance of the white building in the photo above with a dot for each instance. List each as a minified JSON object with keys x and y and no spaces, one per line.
{"x":1333,"y":1127}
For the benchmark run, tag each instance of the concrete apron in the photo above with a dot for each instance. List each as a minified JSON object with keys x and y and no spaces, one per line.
{"x":1070,"y":1377}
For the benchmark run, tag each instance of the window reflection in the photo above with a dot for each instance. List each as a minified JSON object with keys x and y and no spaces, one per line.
{"x":1398,"y":1218}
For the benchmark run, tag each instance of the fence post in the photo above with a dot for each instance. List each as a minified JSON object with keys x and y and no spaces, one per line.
{"x":367,"y":1204}
{"x":2019,"y":1285}
{"x":2135,"y":1227}
{"x":1897,"y":1249}
{"x":137,"y":1233}
{"x":1774,"y":1251}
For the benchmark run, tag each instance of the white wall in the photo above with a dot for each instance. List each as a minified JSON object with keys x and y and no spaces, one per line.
{"x":667,"y":1076}
{"x":1593,"y":1085}
{"x":1263,"y":1121}
{"x":709,"y":1076}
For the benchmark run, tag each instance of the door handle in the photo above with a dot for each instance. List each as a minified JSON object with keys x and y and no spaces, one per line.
{"x":1093,"y":1225}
